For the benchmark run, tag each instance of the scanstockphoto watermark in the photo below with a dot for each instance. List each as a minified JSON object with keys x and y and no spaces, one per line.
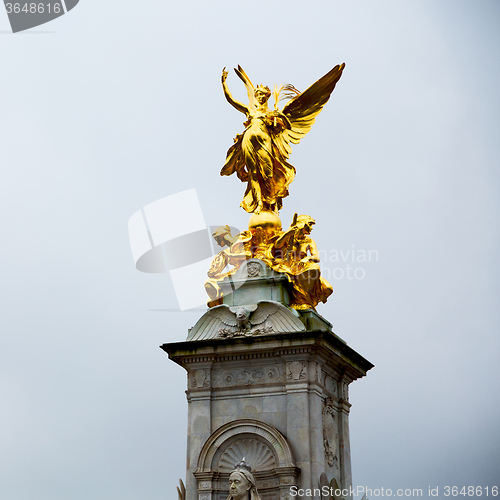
{"x":24,"y":15}
{"x":366,"y":492}
{"x":330,"y":492}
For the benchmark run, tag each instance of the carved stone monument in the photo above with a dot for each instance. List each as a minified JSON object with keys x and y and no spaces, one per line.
{"x":276,"y":395}
{"x":267,"y":379}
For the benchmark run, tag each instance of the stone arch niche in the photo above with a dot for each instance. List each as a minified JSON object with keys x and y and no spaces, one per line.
{"x":264,"y":448}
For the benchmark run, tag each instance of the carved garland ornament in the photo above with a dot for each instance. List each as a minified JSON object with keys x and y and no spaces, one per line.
{"x":330,"y":434}
{"x":228,"y":378}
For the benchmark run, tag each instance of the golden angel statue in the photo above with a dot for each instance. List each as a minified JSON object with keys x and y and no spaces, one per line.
{"x":259,"y":155}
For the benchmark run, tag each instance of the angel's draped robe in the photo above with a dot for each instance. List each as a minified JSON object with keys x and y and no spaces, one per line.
{"x":256,"y":160}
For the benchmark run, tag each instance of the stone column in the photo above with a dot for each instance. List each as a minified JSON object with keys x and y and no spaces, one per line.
{"x":284,"y":395}
{"x":199,"y":396}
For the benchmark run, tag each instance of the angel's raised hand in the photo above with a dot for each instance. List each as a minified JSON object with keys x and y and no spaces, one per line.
{"x":224,"y":75}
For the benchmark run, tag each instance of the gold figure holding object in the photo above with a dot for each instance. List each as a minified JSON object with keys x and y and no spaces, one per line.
{"x":239,"y":250}
{"x":259,"y":155}
{"x":295,"y":253}
{"x":292,"y":252}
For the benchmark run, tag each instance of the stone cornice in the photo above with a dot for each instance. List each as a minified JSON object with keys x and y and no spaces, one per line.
{"x":316,"y":344}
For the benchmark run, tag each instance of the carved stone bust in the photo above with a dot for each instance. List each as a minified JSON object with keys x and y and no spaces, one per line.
{"x":242,"y":483}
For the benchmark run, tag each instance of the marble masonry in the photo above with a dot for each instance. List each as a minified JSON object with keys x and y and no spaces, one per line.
{"x":268,"y":384}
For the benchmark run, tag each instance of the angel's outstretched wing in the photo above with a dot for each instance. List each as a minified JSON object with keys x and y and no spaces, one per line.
{"x":248,"y":84}
{"x":220,"y":322}
{"x":215,"y":319}
{"x":263,"y":312}
{"x":303,"y":109}
{"x":278,"y":318}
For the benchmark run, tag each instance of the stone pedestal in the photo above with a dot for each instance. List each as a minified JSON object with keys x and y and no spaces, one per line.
{"x":280,"y":401}
{"x":271,"y":388}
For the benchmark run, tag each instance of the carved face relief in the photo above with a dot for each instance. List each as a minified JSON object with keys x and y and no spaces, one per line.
{"x":239,"y":486}
{"x":253,"y":269}
{"x":242,"y":314}
{"x":261,"y":96}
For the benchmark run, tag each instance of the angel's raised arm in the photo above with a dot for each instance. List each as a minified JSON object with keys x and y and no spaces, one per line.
{"x":236,"y":104}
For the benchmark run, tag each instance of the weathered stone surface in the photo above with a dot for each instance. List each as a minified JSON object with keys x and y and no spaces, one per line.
{"x":255,"y":281}
{"x":285,"y":395}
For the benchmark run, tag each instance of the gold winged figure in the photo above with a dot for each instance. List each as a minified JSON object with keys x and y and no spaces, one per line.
{"x":259,"y":155}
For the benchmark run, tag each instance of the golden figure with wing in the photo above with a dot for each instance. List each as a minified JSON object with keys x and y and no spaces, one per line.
{"x":259,"y":157}
{"x":260,"y":154}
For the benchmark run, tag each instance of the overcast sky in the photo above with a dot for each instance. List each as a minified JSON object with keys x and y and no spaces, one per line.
{"x":118,"y":104}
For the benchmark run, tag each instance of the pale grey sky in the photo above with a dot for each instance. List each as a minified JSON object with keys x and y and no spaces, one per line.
{"x":118,"y":104}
